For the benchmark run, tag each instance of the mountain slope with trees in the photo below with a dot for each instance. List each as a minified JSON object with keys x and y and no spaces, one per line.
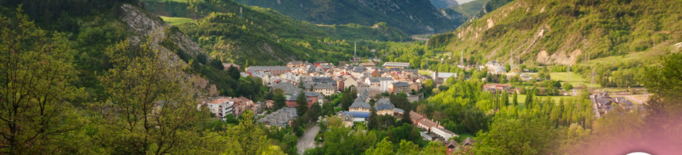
{"x":411,"y":16}
{"x":567,"y":32}
{"x":266,"y":37}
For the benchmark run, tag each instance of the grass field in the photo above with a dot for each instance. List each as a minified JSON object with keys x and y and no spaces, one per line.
{"x":177,"y":20}
{"x":575,"y":79}
{"x":424,"y":72}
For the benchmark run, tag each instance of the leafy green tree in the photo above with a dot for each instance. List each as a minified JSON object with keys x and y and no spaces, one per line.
{"x":35,"y":88}
{"x":151,"y":107}
{"x":516,"y":136}
{"x":568,"y":86}
{"x":247,"y":138}
{"x":407,"y":148}
{"x":384,"y":147}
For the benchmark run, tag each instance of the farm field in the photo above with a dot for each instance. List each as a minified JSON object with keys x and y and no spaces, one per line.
{"x":575,"y":79}
{"x":176,"y":20}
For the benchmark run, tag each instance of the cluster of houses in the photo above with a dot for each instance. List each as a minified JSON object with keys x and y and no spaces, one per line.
{"x":224,"y":106}
{"x":326,"y":79}
{"x":360,"y":110}
{"x":605,"y":103}
{"x":280,"y":118}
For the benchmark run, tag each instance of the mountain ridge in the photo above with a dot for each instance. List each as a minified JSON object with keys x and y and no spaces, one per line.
{"x":411,"y":16}
{"x":566,"y":32}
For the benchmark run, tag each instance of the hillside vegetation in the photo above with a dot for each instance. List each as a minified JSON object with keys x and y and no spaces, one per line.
{"x":568,"y":31}
{"x":265,"y":37}
{"x":413,"y":17}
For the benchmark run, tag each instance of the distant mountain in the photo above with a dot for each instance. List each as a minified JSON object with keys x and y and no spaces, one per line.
{"x":469,"y":9}
{"x":440,"y":4}
{"x":411,"y":16}
{"x":567,"y":31}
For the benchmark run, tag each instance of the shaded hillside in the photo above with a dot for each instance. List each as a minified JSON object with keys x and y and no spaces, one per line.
{"x":567,"y":32}
{"x":265,"y":37}
{"x":411,"y":16}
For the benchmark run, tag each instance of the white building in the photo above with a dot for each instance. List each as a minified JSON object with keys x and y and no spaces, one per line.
{"x":443,"y":133}
{"x":221,"y":107}
{"x":384,"y":82}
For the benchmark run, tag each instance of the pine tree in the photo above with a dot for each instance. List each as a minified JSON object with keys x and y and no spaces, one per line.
{"x":301,"y":103}
{"x":515,"y":99}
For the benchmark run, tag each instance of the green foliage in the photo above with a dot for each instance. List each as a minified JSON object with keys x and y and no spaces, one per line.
{"x":36,"y":91}
{"x":516,"y":136}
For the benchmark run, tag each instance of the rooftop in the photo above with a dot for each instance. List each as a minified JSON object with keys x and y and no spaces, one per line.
{"x":401,"y":84}
{"x":397,"y":64}
{"x":268,"y":68}
{"x":358,"y":114}
{"x":358,"y":103}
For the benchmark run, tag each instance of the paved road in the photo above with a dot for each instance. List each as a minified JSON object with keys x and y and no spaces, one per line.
{"x":308,"y":139}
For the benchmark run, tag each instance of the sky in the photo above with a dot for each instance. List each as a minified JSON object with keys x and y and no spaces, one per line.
{"x":463,"y":1}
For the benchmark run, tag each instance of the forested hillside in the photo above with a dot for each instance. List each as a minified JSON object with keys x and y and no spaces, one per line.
{"x":265,"y":37}
{"x":412,"y":16}
{"x":569,"y":32}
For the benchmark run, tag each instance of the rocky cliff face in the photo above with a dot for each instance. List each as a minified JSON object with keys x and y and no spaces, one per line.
{"x":146,"y":24}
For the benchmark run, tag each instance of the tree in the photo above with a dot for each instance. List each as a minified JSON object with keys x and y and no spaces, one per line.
{"x":516,"y":136}
{"x":384,"y":147}
{"x":429,"y":84}
{"x":247,"y":138}
{"x":664,"y":107}
{"x":35,"y":87}
{"x":372,"y":120}
{"x":515,"y":99}
{"x":151,"y":105}
{"x":505,"y":99}
{"x":234,"y":72}
{"x":406,"y":116}
{"x":301,"y":103}
{"x":314,"y":111}
{"x":280,"y":101}
{"x":568,"y":86}
{"x":217,"y":64}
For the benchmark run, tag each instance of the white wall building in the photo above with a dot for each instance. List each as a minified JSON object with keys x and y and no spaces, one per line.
{"x":384,"y":83}
{"x":221,"y":107}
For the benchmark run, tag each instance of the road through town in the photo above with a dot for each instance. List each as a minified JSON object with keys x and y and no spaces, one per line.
{"x":308,"y":139}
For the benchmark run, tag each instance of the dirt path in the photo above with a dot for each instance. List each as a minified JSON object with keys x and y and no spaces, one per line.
{"x":308,"y":139}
